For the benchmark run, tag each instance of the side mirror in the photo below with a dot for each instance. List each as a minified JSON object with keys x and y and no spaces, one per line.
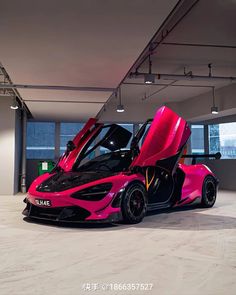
{"x":217,"y":156}
{"x":70,"y":146}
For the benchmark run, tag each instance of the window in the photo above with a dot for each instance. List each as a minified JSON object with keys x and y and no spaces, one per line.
{"x":222,"y":138}
{"x":40,"y":140}
{"x":129,"y":127}
{"x":68,"y":132}
{"x":144,"y":134}
{"x":109,"y":162}
{"x":197,"y":139}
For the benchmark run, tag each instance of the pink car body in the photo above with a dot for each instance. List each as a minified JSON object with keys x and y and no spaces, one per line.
{"x":64,"y":195}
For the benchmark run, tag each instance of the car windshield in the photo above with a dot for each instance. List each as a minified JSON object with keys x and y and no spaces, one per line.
{"x":111,"y":162}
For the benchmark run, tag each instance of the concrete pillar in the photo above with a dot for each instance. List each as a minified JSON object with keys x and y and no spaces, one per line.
{"x":23,"y":152}
{"x":8,"y":157}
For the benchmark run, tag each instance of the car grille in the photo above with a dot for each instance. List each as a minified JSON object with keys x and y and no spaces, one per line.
{"x":73,"y":213}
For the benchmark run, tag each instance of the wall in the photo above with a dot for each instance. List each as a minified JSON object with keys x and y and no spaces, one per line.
{"x":225,"y":171}
{"x":7,"y":147}
{"x":198,"y":108}
{"x":134,"y":112}
{"x":194,"y":109}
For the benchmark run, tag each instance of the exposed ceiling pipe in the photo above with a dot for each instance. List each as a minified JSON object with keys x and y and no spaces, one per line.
{"x":49,"y":87}
{"x":159,"y":90}
{"x":181,"y":10}
{"x":199,"y":45}
{"x":177,"y":14}
{"x":169,"y":85}
{"x":187,"y":77}
{"x":14,"y":92}
{"x":165,"y":86}
{"x":63,"y":101}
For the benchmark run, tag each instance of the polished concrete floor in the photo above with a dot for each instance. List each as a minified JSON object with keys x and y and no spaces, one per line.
{"x":191,"y":251}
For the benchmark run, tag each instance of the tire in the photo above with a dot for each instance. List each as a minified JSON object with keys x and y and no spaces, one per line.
{"x":209,"y":192}
{"x":134,"y":204}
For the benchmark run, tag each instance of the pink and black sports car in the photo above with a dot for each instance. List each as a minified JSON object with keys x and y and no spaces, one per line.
{"x":122,"y":184}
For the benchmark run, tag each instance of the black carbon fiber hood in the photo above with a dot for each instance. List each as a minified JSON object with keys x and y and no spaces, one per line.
{"x":65,"y":180}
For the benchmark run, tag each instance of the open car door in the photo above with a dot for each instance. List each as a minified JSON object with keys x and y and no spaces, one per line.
{"x":160,"y":152}
{"x":74,"y":147}
{"x":87,"y":140}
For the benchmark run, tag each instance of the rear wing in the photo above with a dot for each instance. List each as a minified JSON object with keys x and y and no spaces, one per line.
{"x":194,"y":158}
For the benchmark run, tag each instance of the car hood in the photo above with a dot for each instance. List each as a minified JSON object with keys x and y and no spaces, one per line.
{"x":62,"y":181}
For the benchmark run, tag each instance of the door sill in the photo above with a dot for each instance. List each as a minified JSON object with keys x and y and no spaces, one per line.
{"x":156,"y":206}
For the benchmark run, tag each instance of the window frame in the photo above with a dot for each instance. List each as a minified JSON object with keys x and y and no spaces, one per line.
{"x":220,"y":147}
{"x":193,"y":126}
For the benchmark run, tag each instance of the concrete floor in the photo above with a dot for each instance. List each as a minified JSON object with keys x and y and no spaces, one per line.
{"x":181,"y":252}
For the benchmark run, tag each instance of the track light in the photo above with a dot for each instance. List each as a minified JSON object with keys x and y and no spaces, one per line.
{"x":214,"y":108}
{"x":120,"y":107}
{"x":149,"y":78}
{"x":14,"y":105}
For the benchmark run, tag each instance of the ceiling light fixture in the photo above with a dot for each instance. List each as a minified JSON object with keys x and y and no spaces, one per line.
{"x":214,"y":108}
{"x":14,"y":105}
{"x":149,"y":78}
{"x":120,"y":107}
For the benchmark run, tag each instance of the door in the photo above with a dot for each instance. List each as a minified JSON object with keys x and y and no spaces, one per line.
{"x":84,"y":143}
{"x":74,"y":147}
{"x":160,"y":153}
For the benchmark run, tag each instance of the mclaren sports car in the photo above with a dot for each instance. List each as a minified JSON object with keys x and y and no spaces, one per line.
{"x":123,"y":183}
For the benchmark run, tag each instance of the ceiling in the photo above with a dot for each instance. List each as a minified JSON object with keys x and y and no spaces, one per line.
{"x":210,"y":24}
{"x":76,"y":43}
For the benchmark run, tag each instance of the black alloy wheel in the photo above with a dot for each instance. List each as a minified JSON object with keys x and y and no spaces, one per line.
{"x":209,"y":192}
{"x":134,"y":203}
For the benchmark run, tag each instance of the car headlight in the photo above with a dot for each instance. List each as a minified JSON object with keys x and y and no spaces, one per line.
{"x":93,"y":193}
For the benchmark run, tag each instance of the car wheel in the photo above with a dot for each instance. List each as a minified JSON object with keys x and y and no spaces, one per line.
{"x":209,"y":191}
{"x":134,"y":204}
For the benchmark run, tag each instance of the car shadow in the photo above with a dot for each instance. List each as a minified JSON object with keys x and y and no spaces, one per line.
{"x":72,"y":225}
{"x":188,"y":218}
{"x":183,"y":218}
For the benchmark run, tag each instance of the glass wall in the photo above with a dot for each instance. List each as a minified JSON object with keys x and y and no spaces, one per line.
{"x":68,"y":132}
{"x":222,"y":138}
{"x":40,"y":140}
{"x":197,"y":139}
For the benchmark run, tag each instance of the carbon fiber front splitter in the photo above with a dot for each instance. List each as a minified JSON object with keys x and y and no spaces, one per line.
{"x":73,"y":214}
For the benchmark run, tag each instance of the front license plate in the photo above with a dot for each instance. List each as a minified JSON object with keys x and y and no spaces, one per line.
{"x":44,"y":203}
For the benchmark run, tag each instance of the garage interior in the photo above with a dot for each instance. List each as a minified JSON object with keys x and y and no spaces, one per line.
{"x":62,"y":63}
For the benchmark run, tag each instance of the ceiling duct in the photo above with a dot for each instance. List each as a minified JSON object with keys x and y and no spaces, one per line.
{"x":49,"y":87}
{"x":186,"y":77}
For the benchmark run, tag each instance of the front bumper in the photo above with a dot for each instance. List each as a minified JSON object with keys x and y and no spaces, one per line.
{"x":66,"y":214}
